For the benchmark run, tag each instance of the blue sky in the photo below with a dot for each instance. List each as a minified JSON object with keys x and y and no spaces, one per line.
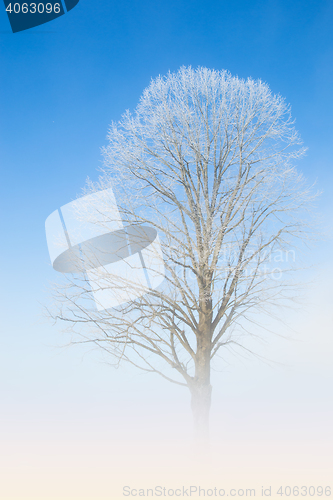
{"x":64,"y":82}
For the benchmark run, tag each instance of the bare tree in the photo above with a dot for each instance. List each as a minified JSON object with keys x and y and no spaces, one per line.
{"x":206,"y":160}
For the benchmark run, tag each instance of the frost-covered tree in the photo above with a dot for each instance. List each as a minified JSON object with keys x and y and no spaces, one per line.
{"x":207,"y":160}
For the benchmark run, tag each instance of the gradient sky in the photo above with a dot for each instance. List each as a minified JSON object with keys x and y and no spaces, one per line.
{"x":61,"y":86}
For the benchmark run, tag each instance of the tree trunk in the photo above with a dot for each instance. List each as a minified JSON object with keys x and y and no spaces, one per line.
{"x":200,"y":404}
{"x":201,"y":391}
